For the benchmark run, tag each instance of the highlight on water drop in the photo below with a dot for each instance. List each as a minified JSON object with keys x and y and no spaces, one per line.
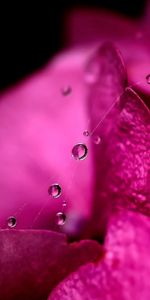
{"x":54,"y":190}
{"x":60,"y":218}
{"x":79,"y":151}
{"x":11,"y":222}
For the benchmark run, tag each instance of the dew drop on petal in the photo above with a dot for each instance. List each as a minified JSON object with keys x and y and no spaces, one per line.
{"x":64,"y":204}
{"x":96,"y":139}
{"x":86,"y":133}
{"x":11,"y":222}
{"x":148,"y":78}
{"x":79,"y":151}
{"x":60,"y":218}
{"x":54,"y":190}
{"x":66,"y":90}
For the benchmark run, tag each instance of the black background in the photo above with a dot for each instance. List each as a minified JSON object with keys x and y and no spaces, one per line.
{"x":31,"y":35}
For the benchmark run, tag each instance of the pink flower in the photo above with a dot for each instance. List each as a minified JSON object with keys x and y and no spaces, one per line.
{"x":92,"y":89}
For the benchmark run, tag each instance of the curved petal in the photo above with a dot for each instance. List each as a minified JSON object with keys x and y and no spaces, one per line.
{"x":91,"y":27}
{"x":39,"y":125}
{"x":106,"y":80}
{"x":128,"y":152}
{"x":122,"y":159}
{"x":33,"y":262}
{"x":123,"y":274}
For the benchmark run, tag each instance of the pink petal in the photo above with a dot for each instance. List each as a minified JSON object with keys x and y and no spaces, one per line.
{"x":122,"y":159}
{"x":38,"y":128}
{"x":128,"y":153}
{"x":123,"y":274}
{"x":106,"y":80}
{"x":108,"y":74}
{"x":87,"y":28}
{"x":33,"y":262}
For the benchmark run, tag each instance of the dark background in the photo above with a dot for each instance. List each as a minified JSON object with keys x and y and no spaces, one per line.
{"x":30,"y":36}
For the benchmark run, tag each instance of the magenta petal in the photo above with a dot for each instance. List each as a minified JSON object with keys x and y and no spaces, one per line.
{"x":128,"y":153}
{"x":123,"y":159}
{"x":106,"y":77}
{"x":107,"y":70}
{"x":39,"y":126}
{"x":33,"y":262}
{"x":124,"y":272}
{"x":87,"y":27}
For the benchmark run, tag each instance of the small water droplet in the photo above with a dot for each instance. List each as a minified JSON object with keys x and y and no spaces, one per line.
{"x":64,"y":204}
{"x":11,"y":222}
{"x":86,"y":133}
{"x":96,"y":139}
{"x":60,"y":218}
{"x":148,"y":78}
{"x":66,"y":90}
{"x":54,"y":190}
{"x":79,"y":151}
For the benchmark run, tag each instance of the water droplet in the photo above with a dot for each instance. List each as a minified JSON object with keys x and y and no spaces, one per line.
{"x":60,"y":218}
{"x":64,"y":204}
{"x":148,"y":78}
{"x":96,"y":139}
{"x":66,"y":90}
{"x":86,"y":133}
{"x":54,"y":190}
{"x":79,"y":151}
{"x":11,"y":222}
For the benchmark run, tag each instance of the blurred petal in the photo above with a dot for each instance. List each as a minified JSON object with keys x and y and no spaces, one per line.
{"x":88,"y":28}
{"x":109,"y":79}
{"x":33,"y":262}
{"x":124,"y":271}
{"x":39,"y":126}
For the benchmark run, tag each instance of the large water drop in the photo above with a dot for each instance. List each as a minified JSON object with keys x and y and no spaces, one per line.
{"x":11,"y":222}
{"x":60,"y":218}
{"x":80,"y":151}
{"x":54,"y":190}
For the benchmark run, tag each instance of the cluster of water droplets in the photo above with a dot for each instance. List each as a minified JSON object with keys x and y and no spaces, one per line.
{"x":95,"y":138}
{"x":79,"y":152}
{"x":55,"y":192}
